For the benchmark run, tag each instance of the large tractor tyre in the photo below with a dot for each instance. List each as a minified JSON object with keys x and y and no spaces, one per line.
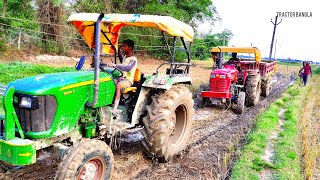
{"x":5,"y":167}
{"x":253,"y":90}
{"x":202,"y":101}
{"x":168,"y":123}
{"x":265,"y":88}
{"x":91,"y":159}
{"x":241,"y":102}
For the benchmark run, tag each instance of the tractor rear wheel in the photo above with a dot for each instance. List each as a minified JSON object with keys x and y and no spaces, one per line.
{"x":91,"y":159}
{"x":241,"y":102}
{"x":253,"y":89}
{"x":168,"y":123}
{"x":265,"y":87}
{"x":202,"y":101}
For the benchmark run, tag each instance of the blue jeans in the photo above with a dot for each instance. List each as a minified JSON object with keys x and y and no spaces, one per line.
{"x":305,"y":79}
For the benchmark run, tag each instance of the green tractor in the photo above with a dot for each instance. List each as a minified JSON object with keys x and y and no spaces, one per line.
{"x":70,"y":112}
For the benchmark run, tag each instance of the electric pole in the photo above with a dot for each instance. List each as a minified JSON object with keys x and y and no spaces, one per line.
{"x":275,"y":50}
{"x":274,"y":31}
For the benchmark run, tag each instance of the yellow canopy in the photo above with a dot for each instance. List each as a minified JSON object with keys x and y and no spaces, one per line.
{"x":112,"y":23}
{"x":226,"y":49}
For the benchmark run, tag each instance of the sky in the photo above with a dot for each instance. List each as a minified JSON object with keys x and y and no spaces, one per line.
{"x":250,"y":22}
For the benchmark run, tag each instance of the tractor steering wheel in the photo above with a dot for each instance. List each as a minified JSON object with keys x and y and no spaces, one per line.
{"x":118,"y":70}
{"x":114,"y":71}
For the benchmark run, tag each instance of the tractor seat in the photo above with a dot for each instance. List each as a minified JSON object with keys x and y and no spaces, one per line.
{"x":136,"y":79}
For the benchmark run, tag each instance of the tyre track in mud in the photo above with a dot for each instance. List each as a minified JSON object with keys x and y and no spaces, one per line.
{"x":216,"y":135}
{"x":213,"y":146}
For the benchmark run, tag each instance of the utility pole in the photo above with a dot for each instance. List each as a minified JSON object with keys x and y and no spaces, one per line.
{"x":274,"y":31}
{"x":275,"y":50}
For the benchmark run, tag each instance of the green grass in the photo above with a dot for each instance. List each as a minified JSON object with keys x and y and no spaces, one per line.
{"x":287,"y":157}
{"x":250,"y":162}
{"x":290,"y":63}
{"x":288,"y":146}
{"x":17,"y":70}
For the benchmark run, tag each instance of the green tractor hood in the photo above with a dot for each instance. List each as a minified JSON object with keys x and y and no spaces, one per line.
{"x":49,"y":83}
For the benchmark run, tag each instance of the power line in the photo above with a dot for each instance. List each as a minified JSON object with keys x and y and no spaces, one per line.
{"x":39,"y":31}
{"x":38,"y":22}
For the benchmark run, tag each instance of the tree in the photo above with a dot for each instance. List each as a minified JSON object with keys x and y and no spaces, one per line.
{"x":202,"y":46}
{"x":51,"y":13}
{"x":4,"y":7}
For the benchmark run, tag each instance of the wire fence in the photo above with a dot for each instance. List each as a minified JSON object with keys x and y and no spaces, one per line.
{"x":34,"y":41}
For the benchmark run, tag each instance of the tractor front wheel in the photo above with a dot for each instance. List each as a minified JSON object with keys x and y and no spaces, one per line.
{"x":168,"y":123}
{"x":241,"y":102}
{"x":202,"y":101}
{"x":91,"y":159}
{"x":4,"y":167}
{"x":265,"y":88}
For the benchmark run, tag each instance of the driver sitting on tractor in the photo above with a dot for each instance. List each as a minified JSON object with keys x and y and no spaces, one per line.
{"x":234,"y":60}
{"x":128,"y":67}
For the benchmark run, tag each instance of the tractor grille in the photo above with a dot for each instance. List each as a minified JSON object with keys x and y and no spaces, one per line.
{"x":40,"y":119}
{"x":218,"y":85}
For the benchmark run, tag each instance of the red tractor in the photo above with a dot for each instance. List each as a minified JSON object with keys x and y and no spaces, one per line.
{"x":238,"y":82}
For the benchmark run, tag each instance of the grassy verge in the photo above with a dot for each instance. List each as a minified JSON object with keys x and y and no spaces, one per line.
{"x":16,"y":70}
{"x":250,"y":162}
{"x":287,"y":155}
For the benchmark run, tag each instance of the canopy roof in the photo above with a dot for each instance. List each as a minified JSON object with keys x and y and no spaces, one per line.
{"x":112,"y":23}
{"x":226,"y":49}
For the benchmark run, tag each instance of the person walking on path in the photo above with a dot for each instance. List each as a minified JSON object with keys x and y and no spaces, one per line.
{"x":306,"y":71}
{"x":301,"y":73}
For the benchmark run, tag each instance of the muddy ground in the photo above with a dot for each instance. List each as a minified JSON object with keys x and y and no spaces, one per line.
{"x":216,"y":136}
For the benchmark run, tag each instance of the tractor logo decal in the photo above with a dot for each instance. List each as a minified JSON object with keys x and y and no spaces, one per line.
{"x":84,"y":83}
{"x":25,"y":154}
{"x":69,"y":92}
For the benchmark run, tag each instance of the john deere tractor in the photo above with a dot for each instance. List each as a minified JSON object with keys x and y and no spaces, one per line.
{"x":70,"y":112}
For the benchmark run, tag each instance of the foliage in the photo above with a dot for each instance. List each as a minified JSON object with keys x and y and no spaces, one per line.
{"x":19,"y":9}
{"x":202,"y":46}
{"x":53,"y":14}
{"x":317,"y":71}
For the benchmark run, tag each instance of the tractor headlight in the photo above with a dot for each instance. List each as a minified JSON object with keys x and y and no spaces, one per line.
{"x":222,"y":76}
{"x":26,"y":102}
{"x":212,"y":76}
{"x":30,"y":102}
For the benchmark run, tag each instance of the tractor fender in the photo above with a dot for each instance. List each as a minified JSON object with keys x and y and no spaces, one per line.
{"x":159,"y":82}
{"x":165,"y":81}
{"x":140,"y":108}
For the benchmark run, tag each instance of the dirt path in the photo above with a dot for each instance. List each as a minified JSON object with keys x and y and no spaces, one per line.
{"x":215,"y":137}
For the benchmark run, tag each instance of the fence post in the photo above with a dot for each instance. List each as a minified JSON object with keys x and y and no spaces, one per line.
{"x":19,"y":39}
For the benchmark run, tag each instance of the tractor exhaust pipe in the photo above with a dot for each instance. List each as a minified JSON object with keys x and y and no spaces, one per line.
{"x":97,"y":29}
{"x":220,"y":59}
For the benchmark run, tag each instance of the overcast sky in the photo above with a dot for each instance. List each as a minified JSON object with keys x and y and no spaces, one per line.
{"x":249,"y":21}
